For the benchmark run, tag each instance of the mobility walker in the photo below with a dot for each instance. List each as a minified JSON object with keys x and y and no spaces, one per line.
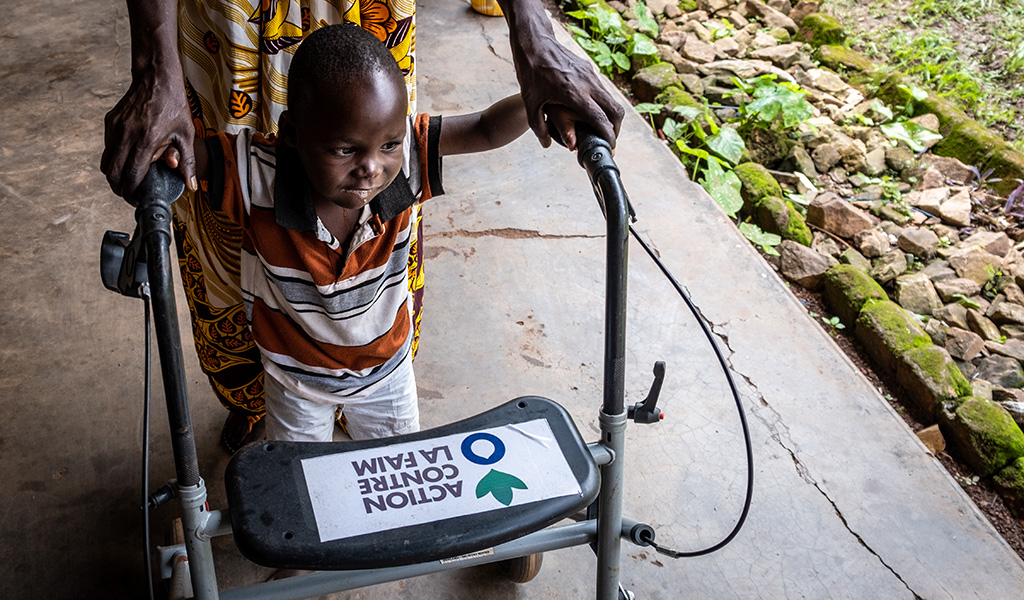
{"x":486,"y":489}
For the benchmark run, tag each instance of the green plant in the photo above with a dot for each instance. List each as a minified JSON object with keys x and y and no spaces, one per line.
{"x":774,"y":105}
{"x":605,"y":38}
{"x":910,"y":133}
{"x":833,"y":324}
{"x":965,"y":301}
{"x":991,"y":287}
{"x":724,"y":186}
{"x":766,"y":241}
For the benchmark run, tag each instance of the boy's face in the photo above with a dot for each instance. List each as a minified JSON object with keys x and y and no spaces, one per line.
{"x":350,"y":140}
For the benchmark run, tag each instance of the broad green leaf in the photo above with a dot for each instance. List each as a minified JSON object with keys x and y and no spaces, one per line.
{"x":687,"y":112}
{"x":577,"y":31}
{"x":615,"y":39}
{"x":767,"y":241}
{"x":915,"y":92}
{"x":728,"y":144}
{"x":621,"y":60}
{"x":591,"y":46}
{"x":648,"y":108}
{"x":607,"y":20}
{"x":672,"y":130}
{"x":641,"y":45}
{"x":910,"y":132}
{"x":580,"y":15}
{"x":644,"y":19}
{"x":882,"y":109}
{"x":697,"y":152}
{"x":724,"y":187}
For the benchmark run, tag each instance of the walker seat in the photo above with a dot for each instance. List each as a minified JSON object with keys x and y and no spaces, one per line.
{"x":432,"y":495}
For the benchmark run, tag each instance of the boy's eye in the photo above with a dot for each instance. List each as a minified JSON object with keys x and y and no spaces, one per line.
{"x":391,"y":146}
{"x":344,"y":151}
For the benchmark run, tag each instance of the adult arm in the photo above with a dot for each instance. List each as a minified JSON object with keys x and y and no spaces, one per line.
{"x":550,"y":75}
{"x":153,"y":115}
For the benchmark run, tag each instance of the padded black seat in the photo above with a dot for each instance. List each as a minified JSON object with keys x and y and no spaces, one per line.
{"x":435,"y":494}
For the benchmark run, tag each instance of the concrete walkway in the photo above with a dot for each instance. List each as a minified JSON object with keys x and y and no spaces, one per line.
{"x":847,"y":502}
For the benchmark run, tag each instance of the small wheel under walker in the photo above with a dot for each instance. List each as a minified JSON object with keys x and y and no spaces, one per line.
{"x":523,"y":568}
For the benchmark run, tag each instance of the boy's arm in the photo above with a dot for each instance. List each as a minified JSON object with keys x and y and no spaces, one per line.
{"x":492,"y":128}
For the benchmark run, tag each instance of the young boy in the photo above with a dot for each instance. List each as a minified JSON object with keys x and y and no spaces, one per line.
{"x":325,"y":213}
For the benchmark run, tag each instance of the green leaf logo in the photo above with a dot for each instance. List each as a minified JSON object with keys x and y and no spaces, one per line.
{"x":500,"y":484}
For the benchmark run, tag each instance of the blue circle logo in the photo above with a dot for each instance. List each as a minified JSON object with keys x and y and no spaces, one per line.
{"x":473,"y":457}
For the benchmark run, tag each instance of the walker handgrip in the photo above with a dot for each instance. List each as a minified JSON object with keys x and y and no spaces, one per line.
{"x":593,"y":152}
{"x":161,"y":186}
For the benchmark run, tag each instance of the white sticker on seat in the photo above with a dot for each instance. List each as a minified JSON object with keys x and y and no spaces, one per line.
{"x":364,"y":491}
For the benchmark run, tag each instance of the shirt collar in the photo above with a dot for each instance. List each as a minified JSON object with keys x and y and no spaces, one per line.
{"x":293,"y":196}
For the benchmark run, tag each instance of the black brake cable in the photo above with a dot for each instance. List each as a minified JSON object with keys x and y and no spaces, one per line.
{"x":144,"y":294}
{"x":648,"y":537}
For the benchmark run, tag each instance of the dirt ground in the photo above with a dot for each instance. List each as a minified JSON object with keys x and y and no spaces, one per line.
{"x":977,"y":47}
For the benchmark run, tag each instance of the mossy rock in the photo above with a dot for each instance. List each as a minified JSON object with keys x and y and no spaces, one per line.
{"x":963,"y":137}
{"x":757,"y":184}
{"x":649,"y":82}
{"x":887,"y":332}
{"x":675,"y":95}
{"x":1007,"y":164}
{"x":847,"y":289}
{"x":840,"y":57}
{"x":767,"y":146}
{"x":820,"y":29}
{"x":930,"y":378}
{"x":984,"y":435}
{"x":687,"y":5}
{"x":1010,"y":484}
{"x":968,"y":141}
{"x":780,"y":34}
{"x":778,"y":216}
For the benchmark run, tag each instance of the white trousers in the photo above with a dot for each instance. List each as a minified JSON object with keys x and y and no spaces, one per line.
{"x":299,"y":413}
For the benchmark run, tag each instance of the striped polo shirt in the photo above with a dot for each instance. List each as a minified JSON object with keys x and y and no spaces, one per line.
{"x":332,"y":320}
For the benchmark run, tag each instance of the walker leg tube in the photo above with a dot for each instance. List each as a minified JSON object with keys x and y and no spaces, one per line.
{"x":613,"y":415}
{"x":194,"y":517}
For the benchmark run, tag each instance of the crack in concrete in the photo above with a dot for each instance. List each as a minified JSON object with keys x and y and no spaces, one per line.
{"x":510,"y":233}
{"x":801,"y":469}
{"x":490,"y":43}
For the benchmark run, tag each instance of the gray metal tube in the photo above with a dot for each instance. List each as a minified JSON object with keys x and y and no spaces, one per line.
{"x":326,"y":582}
{"x":609,"y":515}
{"x":194,"y":519}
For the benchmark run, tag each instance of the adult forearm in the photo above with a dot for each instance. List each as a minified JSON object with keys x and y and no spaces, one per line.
{"x":154,"y":35}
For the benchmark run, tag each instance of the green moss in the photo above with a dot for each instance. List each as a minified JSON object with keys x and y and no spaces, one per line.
{"x":780,"y":217}
{"x":1010,"y":484}
{"x":649,"y":82}
{"x":757,"y":184}
{"x":820,"y":29}
{"x":675,"y":95}
{"x":887,"y":332}
{"x":839,"y":57}
{"x":968,"y":141}
{"x":985,"y":436}
{"x":963,"y":137}
{"x":931,"y":378}
{"x":780,"y":34}
{"x":687,"y":5}
{"x":1008,"y":165}
{"x":797,"y":229}
{"x":847,"y":288}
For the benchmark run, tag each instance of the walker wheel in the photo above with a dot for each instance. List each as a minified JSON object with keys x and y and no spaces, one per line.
{"x":523,"y":568}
